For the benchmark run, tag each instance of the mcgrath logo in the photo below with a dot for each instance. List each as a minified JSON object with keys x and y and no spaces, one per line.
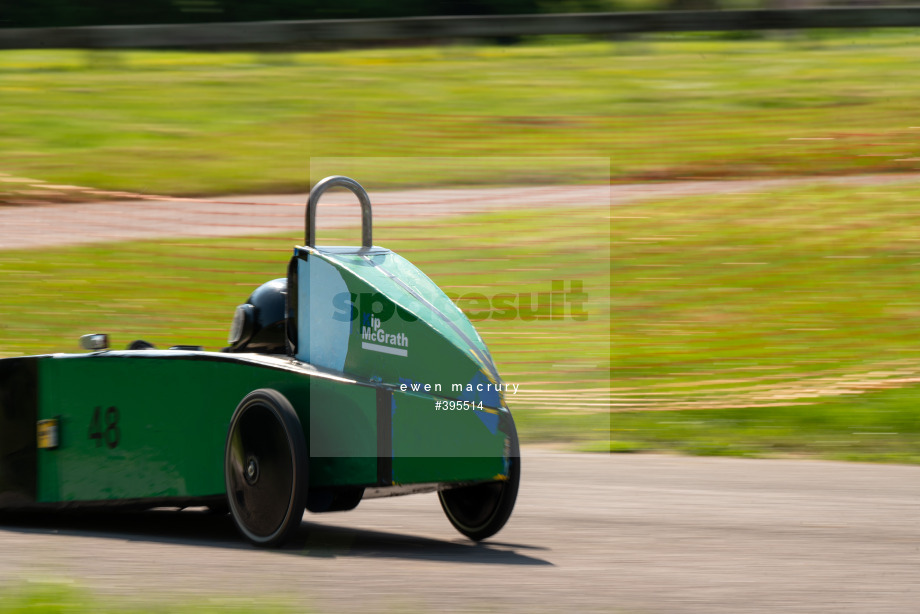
{"x":377,"y":339}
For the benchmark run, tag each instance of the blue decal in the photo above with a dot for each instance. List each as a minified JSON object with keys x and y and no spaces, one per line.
{"x":487,"y":395}
{"x":480,"y":389}
{"x":489,"y":419}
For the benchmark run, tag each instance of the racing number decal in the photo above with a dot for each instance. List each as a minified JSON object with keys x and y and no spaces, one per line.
{"x":110,"y":434}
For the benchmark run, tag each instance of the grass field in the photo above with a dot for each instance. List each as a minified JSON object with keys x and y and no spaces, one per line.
{"x":784,"y":320}
{"x":777,"y":324}
{"x":677,"y":107}
{"x":750,"y":299}
{"x":881,"y":426}
{"x":184,"y":292}
{"x":64,"y":597}
{"x":874,"y":426}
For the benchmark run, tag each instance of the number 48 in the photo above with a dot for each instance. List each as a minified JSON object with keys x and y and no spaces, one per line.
{"x":111,"y":434}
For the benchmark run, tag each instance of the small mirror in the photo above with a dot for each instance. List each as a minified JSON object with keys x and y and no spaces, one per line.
{"x":94,"y":342}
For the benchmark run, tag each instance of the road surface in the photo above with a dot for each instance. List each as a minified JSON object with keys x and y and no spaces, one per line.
{"x":621,"y":533}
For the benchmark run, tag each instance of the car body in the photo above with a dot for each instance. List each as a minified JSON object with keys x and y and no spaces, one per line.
{"x":352,"y":377}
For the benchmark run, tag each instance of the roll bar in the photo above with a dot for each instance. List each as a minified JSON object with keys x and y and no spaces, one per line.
{"x":333,"y":182}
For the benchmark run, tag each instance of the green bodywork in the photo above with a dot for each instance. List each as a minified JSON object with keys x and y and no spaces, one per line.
{"x":382,"y":358}
{"x":167,"y":436}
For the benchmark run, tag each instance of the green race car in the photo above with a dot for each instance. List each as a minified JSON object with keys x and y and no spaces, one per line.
{"x":352,"y":377}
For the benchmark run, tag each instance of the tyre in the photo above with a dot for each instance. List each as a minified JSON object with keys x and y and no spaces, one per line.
{"x":481,"y":510}
{"x":265,"y":468}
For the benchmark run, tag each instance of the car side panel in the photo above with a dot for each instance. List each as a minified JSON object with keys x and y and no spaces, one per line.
{"x":150,"y":425}
{"x":165,"y":436}
{"x":433,"y":443}
{"x":343,"y":438}
{"x":135,"y":427}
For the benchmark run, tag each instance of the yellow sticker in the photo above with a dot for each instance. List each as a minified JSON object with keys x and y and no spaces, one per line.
{"x":48,"y":434}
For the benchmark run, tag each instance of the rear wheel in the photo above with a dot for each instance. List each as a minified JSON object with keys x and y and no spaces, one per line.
{"x":481,"y":510}
{"x":265,"y":468}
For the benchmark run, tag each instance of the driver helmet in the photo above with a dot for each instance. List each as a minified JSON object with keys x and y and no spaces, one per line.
{"x":259,"y":324}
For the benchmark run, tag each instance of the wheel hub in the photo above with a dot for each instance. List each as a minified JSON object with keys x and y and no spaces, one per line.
{"x":252,"y":470}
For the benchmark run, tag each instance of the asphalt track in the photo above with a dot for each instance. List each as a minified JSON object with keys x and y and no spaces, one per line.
{"x":620,"y":533}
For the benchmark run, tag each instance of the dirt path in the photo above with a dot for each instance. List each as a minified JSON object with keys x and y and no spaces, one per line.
{"x":74,"y":224}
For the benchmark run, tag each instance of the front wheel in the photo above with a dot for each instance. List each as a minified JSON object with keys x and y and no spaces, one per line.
{"x":481,"y":510}
{"x":265,"y":468}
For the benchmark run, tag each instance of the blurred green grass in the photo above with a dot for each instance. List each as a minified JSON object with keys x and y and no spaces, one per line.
{"x":734,"y":306}
{"x":65,"y":597}
{"x":872,"y":427}
{"x":184,"y":291}
{"x":778,"y":323}
{"x":882,"y":426}
{"x":786,"y":321}
{"x":674,"y":107}
{"x":750,"y":296}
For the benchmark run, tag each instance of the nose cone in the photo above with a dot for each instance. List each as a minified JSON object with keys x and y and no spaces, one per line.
{"x":375,"y":315}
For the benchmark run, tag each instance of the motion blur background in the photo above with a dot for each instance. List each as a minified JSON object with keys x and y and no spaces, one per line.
{"x":56,"y":13}
{"x":756,"y":260}
{"x":734,"y":211}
